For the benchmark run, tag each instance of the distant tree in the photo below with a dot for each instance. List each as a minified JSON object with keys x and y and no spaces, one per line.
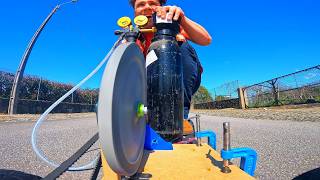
{"x":29,"y":87}
{"x":6,"y":80}
{"x":48,"y":91}
{"x":201,"y":96}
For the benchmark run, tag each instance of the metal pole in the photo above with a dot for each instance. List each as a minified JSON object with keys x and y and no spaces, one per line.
{"x":39,"y":89}
{"x":198,"y":129}
{"x":198,"y":116}
{"x":12,"y":108}
{"x":226,"y":145}
{"x":215,"y":94}
{"x":72,"y":98}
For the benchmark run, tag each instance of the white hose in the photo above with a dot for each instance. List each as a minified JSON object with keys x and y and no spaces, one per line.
{"x":44,"y":115}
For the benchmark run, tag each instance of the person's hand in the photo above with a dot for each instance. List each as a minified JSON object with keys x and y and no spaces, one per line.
{"x":174,"y":12}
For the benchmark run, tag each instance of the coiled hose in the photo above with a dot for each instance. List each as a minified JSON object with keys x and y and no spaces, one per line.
{"x":91,"y":164}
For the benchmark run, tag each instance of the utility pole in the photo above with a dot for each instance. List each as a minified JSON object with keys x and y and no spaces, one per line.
{"x":14,"y":96}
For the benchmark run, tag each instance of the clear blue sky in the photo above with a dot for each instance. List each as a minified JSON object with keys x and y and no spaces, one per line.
{"x":253,"y":40}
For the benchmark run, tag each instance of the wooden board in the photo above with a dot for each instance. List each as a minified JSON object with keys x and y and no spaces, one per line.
{"x":186,"y":161}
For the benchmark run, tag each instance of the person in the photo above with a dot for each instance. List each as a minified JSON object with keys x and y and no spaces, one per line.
{"x":189,"y":30}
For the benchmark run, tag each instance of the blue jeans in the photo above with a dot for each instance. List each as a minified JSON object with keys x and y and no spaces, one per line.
{"x":191,"y":74}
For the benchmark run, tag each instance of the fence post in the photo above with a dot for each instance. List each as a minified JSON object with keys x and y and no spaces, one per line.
{"x":71,"y":97}
{"x":38,"y":92}
{"x":275,"y":91}
{"x":242,"y":101}
{"x":90,"y":97}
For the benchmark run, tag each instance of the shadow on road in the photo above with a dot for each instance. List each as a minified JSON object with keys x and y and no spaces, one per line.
{"x":309,"y":175}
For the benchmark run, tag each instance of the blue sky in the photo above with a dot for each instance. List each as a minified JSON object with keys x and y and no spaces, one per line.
{"x":253,"y":40}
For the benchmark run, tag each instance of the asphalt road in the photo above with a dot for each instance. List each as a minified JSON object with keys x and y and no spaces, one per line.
{"x":285,"y":148}
{"x":58,"y":139}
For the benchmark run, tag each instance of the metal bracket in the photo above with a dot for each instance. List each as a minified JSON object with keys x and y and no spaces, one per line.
{"x":212,"y":140}
{"x":155,"y":142}
{"x":248,"y":158}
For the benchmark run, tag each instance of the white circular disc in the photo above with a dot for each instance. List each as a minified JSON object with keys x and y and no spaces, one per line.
{"x":123,"y":88}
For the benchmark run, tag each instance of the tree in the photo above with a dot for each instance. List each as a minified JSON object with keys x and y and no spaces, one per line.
{"x":201,"y":96}
{"x":6,"y":80}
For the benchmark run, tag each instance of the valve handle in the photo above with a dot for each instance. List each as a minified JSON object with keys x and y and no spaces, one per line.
{"x":140,"y":20}
{"x":124,"y":22}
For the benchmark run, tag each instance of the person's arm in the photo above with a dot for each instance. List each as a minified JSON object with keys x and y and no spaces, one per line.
{"x":195,"y":32}
{"x":191,"y":30}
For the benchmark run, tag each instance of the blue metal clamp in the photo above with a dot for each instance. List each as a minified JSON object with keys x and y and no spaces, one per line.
{"x":211,"y":137}
{"x":248,"y":158}
{"x":155,"y":142}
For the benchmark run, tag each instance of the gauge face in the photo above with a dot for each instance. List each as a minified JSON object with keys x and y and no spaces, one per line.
{"x":141,"y":20}
{"x":122,"y":91}
{"x":124,"y":22}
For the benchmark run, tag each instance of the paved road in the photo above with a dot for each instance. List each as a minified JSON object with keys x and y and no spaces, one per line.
{"x":286,"y":148}
{"x":59,"y":139}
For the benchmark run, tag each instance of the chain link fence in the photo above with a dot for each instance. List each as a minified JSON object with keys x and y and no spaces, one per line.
{"x":301,"y":87}
{"x":36,"y":90}
{"x":224,"y":96}
{"x":226,"y":91}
